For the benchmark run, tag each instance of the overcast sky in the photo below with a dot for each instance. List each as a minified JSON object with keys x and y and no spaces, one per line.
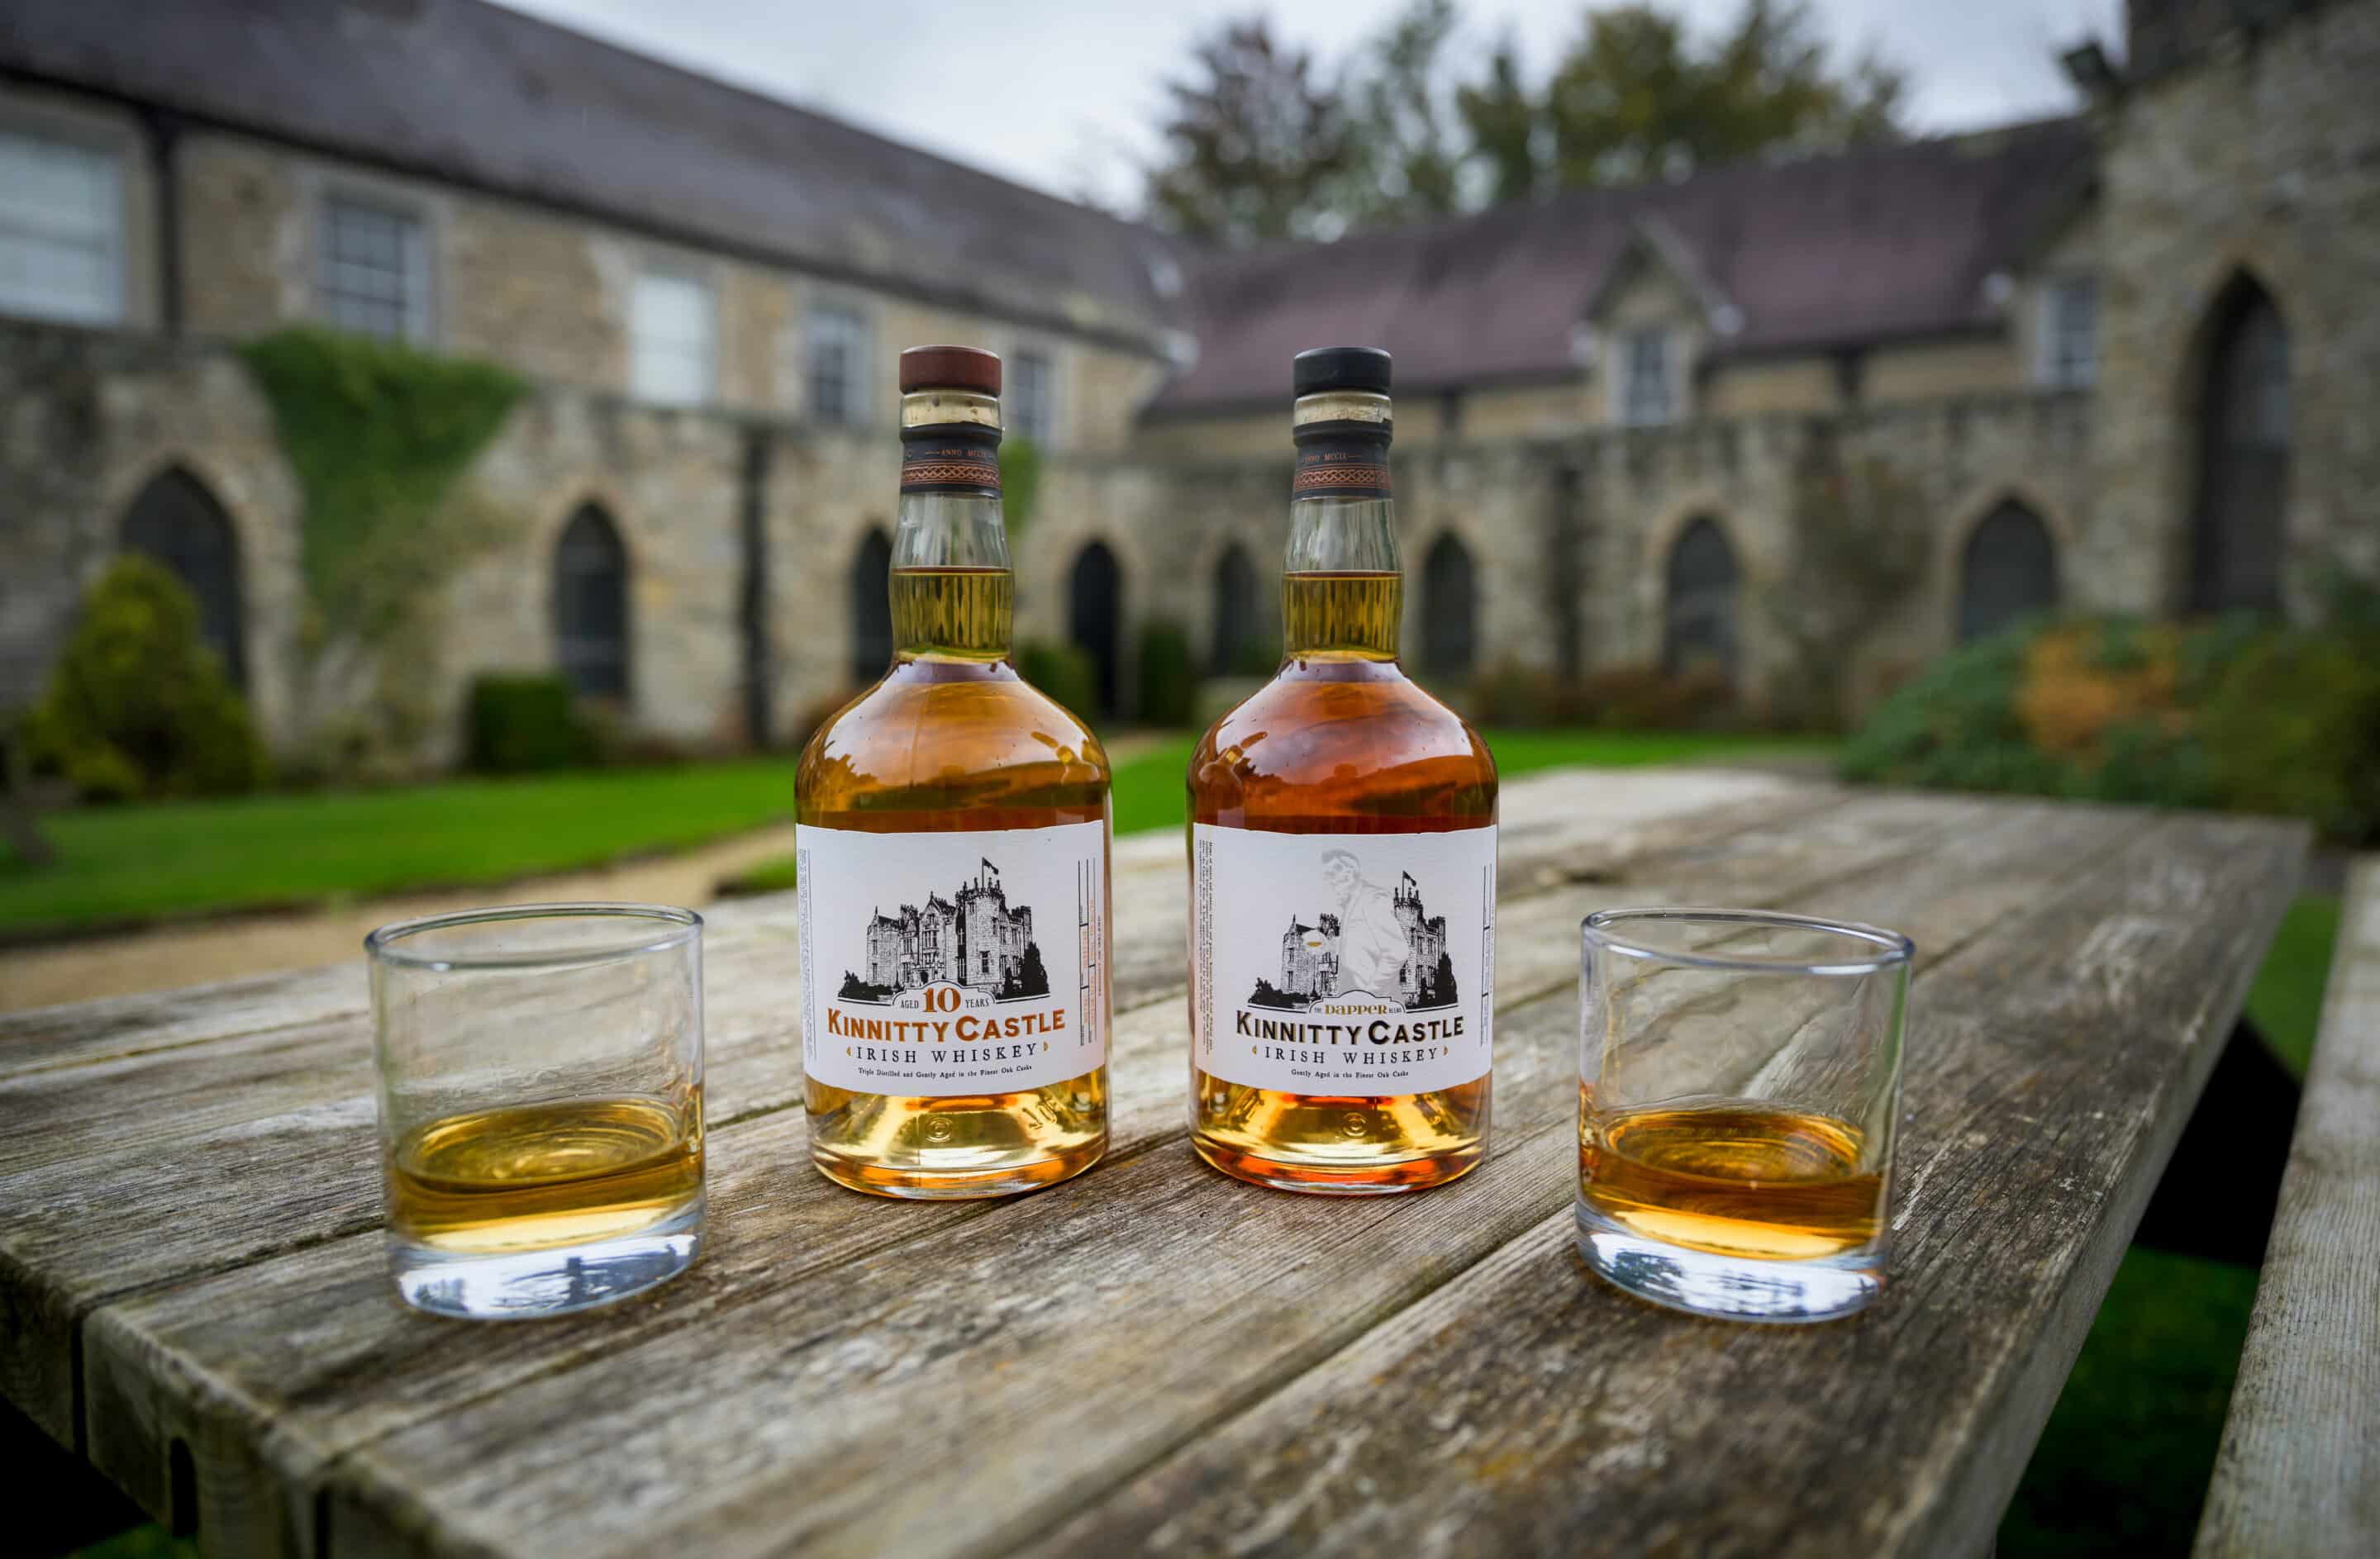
{"x":1061,"y":94}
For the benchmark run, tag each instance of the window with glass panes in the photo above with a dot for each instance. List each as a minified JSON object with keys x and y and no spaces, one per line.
{"x":1645,"y":381}
{"x":61,"y":230}
{"x":374,"y":276}
{"x":838,"y":364}
{"x":2069,"y":332}
{"x":1031,"y":399}
{"x":673,"y":339}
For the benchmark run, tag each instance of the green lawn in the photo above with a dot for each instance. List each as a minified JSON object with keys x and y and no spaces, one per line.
{"x":133,"y":862}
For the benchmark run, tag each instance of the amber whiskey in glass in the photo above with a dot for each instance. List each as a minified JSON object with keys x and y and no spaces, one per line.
{"x":954,"y":828}
{"x":1342,"y":843}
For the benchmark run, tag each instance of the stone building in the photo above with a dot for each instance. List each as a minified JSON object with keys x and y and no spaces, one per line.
{"x":2120,"y":360}
{"x":1309,"y":966}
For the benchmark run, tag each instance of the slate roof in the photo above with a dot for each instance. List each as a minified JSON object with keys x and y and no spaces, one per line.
{"x":1861,"y":246}
{"x":471,"y":93}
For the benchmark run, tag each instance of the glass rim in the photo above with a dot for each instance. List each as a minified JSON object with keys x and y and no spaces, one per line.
{"x":679,"y":927}
{"x":1891,"y":948}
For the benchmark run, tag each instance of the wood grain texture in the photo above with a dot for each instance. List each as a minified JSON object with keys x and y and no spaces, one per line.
{"x":2300,"y":1468}
{"x":230,"y":1093}
{"x":1526,"y":1408}
{"x":1096,"y":1301}
{"x":1121,"y":1357}
{"x":367,"y":1365}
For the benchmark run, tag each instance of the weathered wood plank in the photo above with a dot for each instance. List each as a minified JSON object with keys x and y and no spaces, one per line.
{"x":1527,"y":1409}
{"x":1539,"y":952}
{"x":2029,"y":846}
{"x":2300,"y":1468}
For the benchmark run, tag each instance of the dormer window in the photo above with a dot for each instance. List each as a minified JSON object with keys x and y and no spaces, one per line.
{"x":2069,"y":354}
{"x":1648,"y":378}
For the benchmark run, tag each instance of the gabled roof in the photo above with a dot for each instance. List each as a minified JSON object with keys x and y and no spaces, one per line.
{"x":1861,"y":247}
{"x":468,"y":92}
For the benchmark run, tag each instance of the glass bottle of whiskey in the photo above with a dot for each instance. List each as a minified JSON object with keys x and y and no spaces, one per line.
{"x":1343,"y":859}
{"x":952,"y":826}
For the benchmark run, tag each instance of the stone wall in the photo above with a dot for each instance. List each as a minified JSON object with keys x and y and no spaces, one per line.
{"x":2262,"y":159}
{"x":1568,"y":538}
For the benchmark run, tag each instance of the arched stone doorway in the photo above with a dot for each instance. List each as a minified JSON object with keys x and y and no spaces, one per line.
{"x":1450,"y":610}
{"x":1095,"y":618}
{"x":177,"y":521}
{"x":2243,"y":455}
{"x":871,"y":607}
{"x":2008,"y":571}
{"x":590,"y":605}
{"x":1699,"y":592}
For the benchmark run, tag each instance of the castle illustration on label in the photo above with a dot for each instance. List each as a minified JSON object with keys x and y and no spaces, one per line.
{"x":972,"y":940}
{"x":1380,"y":942}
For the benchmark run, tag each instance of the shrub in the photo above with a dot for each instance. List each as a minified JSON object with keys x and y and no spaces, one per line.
{"x":1064,"y":671}
{"x":1168,"y":686}
{"x":521,"y":725}
{"x":2231,"y":712}
{"x":2294,"y":727}
{"x":1612,"y":697}
{"x":137,"y":706}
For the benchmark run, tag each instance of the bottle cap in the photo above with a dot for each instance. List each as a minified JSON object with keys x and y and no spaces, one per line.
{"x":950,"y":368}
{"x":1324,"y":369}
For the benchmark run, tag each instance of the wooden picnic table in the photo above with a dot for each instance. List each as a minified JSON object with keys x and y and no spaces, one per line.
{"x":1152,"y":1357}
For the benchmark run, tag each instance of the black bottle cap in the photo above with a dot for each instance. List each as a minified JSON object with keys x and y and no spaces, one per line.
{"x":1325,"y":369}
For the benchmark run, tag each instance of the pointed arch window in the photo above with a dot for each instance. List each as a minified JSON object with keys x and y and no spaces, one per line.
{"x":2243,"y":444}
{"x":177,"y":521}
{"x":590,"y":605}
{"x":2007,"y":572}
{"x":1700,"y":589}
{"x":871,"y":607}
{"x":1450,"y":609}
{"x":1235,"y":610}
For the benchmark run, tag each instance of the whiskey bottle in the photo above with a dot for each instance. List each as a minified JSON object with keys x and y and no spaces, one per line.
{"x":1343,"y":859}
{"x":952,"y":826}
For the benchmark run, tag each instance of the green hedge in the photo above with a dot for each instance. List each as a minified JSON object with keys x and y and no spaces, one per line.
{"x":1169,"y":682}
{"x":2231,"y":712}
{"x":137,"y":706}
{"x":522,"y":725}
{"x":1064,"y":671}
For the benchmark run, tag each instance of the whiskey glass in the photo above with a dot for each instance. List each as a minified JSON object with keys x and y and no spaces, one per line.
{"x":541,"y":1104}
{"x":1739,"y":1090}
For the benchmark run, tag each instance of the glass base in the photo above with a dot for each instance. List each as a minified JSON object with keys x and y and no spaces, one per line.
{"x":533,"y":1285}
{"x":917,"y":1183}
{"x":1728,"y":1288}
{"x":1326,"y":1179}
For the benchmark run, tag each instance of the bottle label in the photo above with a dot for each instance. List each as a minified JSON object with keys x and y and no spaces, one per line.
{"x":1344,"y":963}
{"x":936,"y":965}
{"x":1331,"y":463}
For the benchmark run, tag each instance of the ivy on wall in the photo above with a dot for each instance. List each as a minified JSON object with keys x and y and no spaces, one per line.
{"x":378,"y":432}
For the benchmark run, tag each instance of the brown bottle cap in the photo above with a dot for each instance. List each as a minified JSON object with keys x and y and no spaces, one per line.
{"x":950,"y":368}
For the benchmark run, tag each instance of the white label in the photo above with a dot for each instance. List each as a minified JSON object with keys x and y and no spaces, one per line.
{"x":1344,"y":963}
{"x":944,"y":963}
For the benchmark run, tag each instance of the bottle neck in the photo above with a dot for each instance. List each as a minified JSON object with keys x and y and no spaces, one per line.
{"x":953,"y":597}
{"x":1342,"y":593}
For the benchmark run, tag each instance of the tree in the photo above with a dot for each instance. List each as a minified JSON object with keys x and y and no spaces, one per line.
{"x":1636,"y":99}
{"x":1258,"y":148}
{"x":1442,"y":989}
{"x":1030,"y":979}
{"x":1265,"y":143}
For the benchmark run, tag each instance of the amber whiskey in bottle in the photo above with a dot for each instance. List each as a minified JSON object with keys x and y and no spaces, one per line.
{"x":1343,"y":859}
{"x":953,"y":843}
